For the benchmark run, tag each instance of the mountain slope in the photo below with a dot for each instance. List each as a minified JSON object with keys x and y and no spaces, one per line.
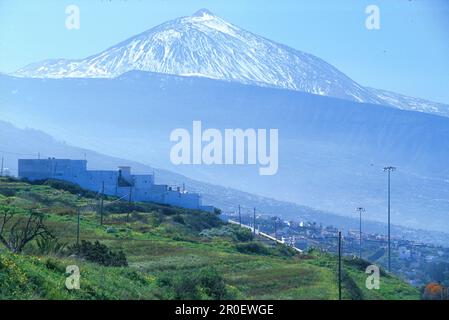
{"x":172,"y":254}
{"x":30,"y":143}
{"x":409,"y":103}
{"x":26,"y":143}
{"x":331,"y":156}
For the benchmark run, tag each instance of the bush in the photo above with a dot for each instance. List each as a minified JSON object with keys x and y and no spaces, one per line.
{"x":50,"y":246}
{"x":55,"y":265}
{"x":243,"y":234}
{"x":168,"y":211}
{"x":433,"y":291}
{"x":111,"y":230}
{"x":362,"y":264}
{"x":259,"y":248}
{"x":8,"y":192}
{"x":252,"y":248}
{"x":233,"y":232}
{"x":66,"y":186}
{"x":178,"y":219}
{"x":284,"y":251}
{"x":99,"y":253}
{"x":203,"y":284}
{"x":200,"y":221}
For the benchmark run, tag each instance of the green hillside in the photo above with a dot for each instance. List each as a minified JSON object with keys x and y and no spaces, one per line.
{"x":171,"y":253}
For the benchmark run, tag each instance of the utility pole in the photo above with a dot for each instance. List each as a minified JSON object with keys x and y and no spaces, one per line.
{"x":1,"y":172}
{"x":254,"y":222}
{"x":275,"y":229}
{"x":389,"y":170}
{"x":78,"y":228}
{"x":360,"y":210}
{"x":339,"y":265}
{"x":129,"y":202}
{"x":240,"y":217}
{"x":101,"y":203}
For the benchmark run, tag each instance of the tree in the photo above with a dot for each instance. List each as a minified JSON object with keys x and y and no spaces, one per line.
{"x":433,"y":291}
{"x":16,"y":231}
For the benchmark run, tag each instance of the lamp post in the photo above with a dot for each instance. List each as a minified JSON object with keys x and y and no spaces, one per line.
{"x":360,"y":210}
{"x":389,"y":169}
{"x":240,"y":217}
{"x":275,"y":227}
{"x":339,"y":265}
{"x":254,"y":222}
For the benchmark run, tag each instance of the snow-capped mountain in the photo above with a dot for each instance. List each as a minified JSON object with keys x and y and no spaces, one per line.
{"x":205,"y":45}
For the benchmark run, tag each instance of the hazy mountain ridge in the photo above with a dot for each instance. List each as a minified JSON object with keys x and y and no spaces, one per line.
{"x":24,"y":143}
{"x":332,"y":151}
{"x":410,"y":103}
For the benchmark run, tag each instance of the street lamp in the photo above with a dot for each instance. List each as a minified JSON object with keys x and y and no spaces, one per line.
{"x":360,"y":210}
{"x":389,"y":170}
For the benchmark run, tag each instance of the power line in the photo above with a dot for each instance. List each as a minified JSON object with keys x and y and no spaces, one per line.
{"x":18,"y":154}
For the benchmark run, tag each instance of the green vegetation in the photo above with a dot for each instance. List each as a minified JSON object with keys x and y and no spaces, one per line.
{"x":149,"y":251}
{"x":99,"y":253}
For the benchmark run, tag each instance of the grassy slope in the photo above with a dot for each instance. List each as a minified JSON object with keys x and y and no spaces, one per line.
{"x":158,"y":245}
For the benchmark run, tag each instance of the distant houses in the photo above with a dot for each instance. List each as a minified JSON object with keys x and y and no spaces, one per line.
{"x":120,"y":183}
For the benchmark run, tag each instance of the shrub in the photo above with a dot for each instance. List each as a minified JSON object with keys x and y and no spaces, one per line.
{"x":351,"y":287}
{"x":168,"y":211}
{"x":202,"y":284}
{"x":55,"y":265}
{"x":48,"y":246}
{"x":252,"y":248}
{"x":433,"y":291}
{"x":66,"y":186}
{"x":362,"y":264}
{"x":230,"y":231}
{"x":213,"y":284}
{"x":8,"y":192}
{"x":200,"y":221}
{"x":243,"y":235}
{"x":259,"y":248}
{"x":224,"y":231}
{"x":178,"y":219}
{"x":111,"y":230}
{"x":99,"y":253}
{"x":284,"y":251}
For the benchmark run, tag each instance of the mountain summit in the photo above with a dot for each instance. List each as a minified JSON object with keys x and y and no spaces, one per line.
{"x":203,"y":12}
{"x":205,"y":45}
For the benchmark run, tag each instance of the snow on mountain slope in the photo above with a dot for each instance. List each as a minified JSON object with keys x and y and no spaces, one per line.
{"x":206,"y":45}
{"x":409,"y":103}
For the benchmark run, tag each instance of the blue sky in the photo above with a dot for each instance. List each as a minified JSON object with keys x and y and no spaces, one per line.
{"x":409,"y":54}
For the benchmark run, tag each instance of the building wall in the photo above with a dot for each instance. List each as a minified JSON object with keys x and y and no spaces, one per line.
{"x":38,"y":169}
{"x":185,"y":200}
{"x":119,"y":183}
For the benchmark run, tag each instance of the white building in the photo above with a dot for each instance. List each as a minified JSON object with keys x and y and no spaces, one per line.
{"x":120,"y":183}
